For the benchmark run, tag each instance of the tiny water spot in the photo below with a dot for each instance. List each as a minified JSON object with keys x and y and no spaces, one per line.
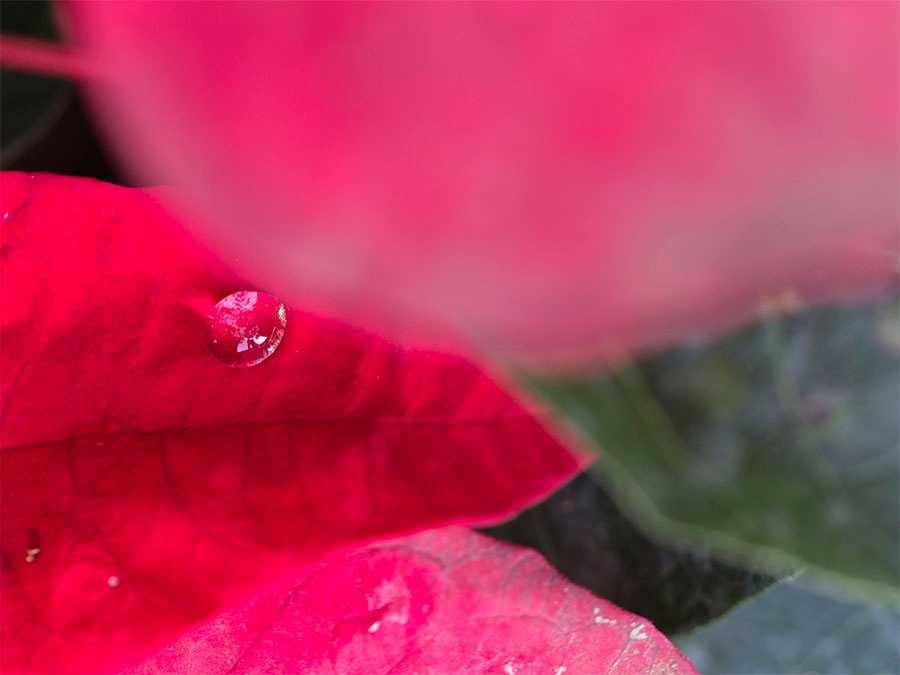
{"x":560,"y":670}
{"x":113,"y":581}
{"x":32,"y":554}
{"x":5,"y":215}
{"x":374,"y":627}
{"x":508,"y":669}
{"x":600,"y":619}
{"x":246,"y":327}
{"x":637,"y":633}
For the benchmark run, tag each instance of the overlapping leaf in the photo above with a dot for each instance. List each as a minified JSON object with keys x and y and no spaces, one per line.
{"x":550,"y":182}
{"x":448,"y":601}
{"x":146,"y":485}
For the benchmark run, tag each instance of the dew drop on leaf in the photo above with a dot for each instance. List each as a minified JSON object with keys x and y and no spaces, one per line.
{"x":246,"y":327}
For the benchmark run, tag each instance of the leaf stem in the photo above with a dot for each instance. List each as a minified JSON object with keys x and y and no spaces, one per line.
{"x":45,"y":58}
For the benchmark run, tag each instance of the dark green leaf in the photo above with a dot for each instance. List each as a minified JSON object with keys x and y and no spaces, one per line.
{"x":30,"y":104}
{"x":582,"y":533}
{"x":790,"y":629}
{"x":779,"y":443}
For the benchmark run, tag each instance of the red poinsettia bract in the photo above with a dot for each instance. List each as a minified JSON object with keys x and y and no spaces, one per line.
{"x":148,"y":488}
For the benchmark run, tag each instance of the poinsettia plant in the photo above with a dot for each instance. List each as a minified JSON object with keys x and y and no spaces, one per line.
{"x":617,"y":279}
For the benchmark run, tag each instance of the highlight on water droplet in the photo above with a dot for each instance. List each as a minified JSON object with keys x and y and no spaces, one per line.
{"x":246,"y":327}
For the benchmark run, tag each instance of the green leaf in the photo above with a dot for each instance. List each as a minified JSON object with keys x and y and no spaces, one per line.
{"x":778,"y":443}
{"x":792,"y":629}
{"x":581,"y":532}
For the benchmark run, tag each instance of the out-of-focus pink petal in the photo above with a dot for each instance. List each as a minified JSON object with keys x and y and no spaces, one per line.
{"x":548,"y":181}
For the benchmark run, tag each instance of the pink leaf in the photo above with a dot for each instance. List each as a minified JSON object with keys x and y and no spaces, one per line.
{"x":147,"y":485}
{"x":446,"y":601}
{"x":550,"y":182}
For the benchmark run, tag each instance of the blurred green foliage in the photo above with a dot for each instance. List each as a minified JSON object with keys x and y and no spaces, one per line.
{"x":777,"y":445}
{"x":793,"y":629}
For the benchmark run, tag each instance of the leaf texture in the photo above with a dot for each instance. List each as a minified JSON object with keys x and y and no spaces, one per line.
{"x":443,"y":602}
{"x":146,"y":485}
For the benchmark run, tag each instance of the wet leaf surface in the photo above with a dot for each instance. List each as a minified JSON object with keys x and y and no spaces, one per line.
{"x":147,"y":485}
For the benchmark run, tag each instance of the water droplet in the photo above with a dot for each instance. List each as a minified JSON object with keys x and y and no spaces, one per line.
{"x":31,"y":554}
{"x":113,"y":581}
{"x":374,"y":627}
{"x":245,"y":328}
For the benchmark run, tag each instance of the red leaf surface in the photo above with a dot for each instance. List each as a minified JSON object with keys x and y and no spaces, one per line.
{"x":145,"y":485}
{"x":550,"y":181}
{"x":446,"y":601}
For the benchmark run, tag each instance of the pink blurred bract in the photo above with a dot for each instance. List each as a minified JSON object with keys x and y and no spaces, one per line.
{"x":546,"y":182}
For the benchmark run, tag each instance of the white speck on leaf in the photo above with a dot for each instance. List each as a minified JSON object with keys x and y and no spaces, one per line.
{"x":392,"y":598}
{"x":31,"y":554}
{"x":113,"y":581}
{"x":600,"y":619}
{"x":374,"y":627}
{"x":509,"y":669}
{"x":637,"y":633}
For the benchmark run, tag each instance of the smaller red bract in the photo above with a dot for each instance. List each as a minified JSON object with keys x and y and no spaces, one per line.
{"x":446,"y":601}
